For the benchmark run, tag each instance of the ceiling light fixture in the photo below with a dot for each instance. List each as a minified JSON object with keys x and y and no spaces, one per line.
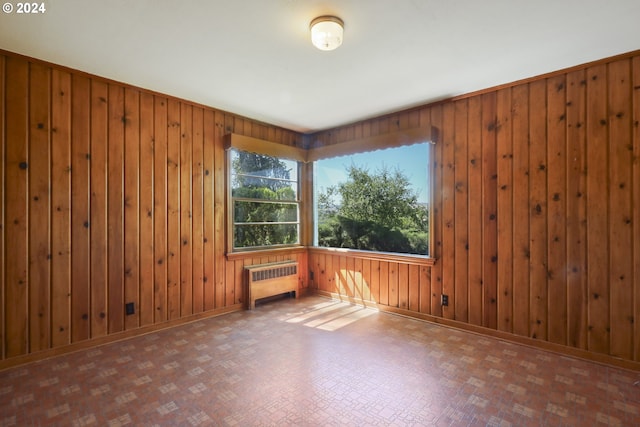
{"x":326,"y":32}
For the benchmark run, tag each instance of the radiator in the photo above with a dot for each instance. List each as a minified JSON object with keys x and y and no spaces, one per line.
{"x":267,"y":280}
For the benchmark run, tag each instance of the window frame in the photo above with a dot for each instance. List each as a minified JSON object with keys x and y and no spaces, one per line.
{"x":266,"y":148}
{"x":412,"y":136}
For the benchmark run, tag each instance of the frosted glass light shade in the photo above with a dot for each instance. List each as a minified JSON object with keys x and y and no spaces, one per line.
{"x":326,"y":32}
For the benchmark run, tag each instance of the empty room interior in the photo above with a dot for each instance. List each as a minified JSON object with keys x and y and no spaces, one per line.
{"x":294,"y":212}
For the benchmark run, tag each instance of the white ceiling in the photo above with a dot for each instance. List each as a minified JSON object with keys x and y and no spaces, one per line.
{"x":254,"y":57}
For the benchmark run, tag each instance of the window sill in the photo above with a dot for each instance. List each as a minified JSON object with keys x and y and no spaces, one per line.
{"x":232,"y":256}
{"x":379,"y":256}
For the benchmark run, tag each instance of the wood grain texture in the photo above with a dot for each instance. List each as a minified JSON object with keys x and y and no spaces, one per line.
{"x":555,"y":159}
{"x":447,"y":209}
{"x":461,"y":213}
{"x":538,"y":170}
{"x":620,"y":209}
{"x":99,"y":214}
{"x":489,"y":211}
{"x":567,"y":273}
{"x":101,"y":185}
{"x":504,"y":151}
{"x":577,"y":296}
{"x":61,"y":209}
{"x":556,"y":209}
{"x":636,"y":203}
{"x":597,"y":210}
{"x":115,"y":210}
{"x":146,"y":208}
{"x":131,"y":202}
{"x":160,"y":210}
{"x":16,"y":208}
{"x":39,"y":207}
{"x":80,"y":211}
{"x":3,"y":144}
{"x":521,"y":243}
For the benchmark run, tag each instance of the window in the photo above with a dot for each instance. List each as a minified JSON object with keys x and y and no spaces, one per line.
{"x":265,"y":200}
{"x":376,"y":201}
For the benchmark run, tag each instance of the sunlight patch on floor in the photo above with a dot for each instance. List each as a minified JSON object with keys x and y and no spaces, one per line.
{"x":332,"y":315}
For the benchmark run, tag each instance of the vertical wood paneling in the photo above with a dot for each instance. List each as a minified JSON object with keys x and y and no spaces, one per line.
{"x":105,"y":184}
{"x":39,"y":208}
{"x":556,"y":210}
{"x":80,"y":214}
{"x":366,"y":284}
{"x":131,"y":121}
{"x":383,"y":282}
{"x":620,"y":209}
{"x":489,"y":211}
{"x":538,"y":209}
{"x":474,"y":222}
{"x":160,"y":213}
{"x":61,"y":207}
{"x":374,"y":281}
{"x":461,"y":196}
{"x":521,"y":243}
{"x":186,"y":247}
{"x":597,"y":211}
{"x":98,"y":201}
{"x":132,"y":175}
{"x":208,"y":203}
{"x":577,"y":296}
{"x":636,"y":202}
{"x":358,"y":279}
{"x":425,"y":290}
{"x":349,"y":273}
{"x":323,"y":270}
{"x":116,"y":209}
{"x":230,"y":279}
{"x":338,"y":264}
{"x":198,"y":214}
{"x":414,"y":288}
{"x":403,"y":285}
{"x":16,"y":208}
{"x":2,"y":211}
{"x":393,"y":284}
{"x":146,"y":179}
{"x":219,"y":210}
{"x":437,"y":164}
{"x":447,"y":237}
{"x":173,"y":210}
{"x":504,"y":139}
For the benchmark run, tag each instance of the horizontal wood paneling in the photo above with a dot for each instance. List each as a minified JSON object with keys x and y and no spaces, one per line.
{"x":536,"y":210}
{"x":110,"y":195}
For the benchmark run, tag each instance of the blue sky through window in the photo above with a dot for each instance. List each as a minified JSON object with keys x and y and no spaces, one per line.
{"x":411,"y":160}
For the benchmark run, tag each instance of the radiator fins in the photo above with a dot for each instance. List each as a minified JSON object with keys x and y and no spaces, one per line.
{"x":274,"y":273}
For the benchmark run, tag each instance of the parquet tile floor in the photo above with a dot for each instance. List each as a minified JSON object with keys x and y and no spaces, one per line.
{"x":316,"y":362}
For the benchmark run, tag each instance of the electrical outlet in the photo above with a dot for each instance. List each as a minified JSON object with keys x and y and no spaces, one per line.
{"x":130,"y":308}
{"x":444,"y":300}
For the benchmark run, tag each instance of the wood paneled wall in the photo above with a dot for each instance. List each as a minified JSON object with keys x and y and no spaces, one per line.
{"x":537,"y":209}
{"x":110,"y":195}
{"x":375,"y":280}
